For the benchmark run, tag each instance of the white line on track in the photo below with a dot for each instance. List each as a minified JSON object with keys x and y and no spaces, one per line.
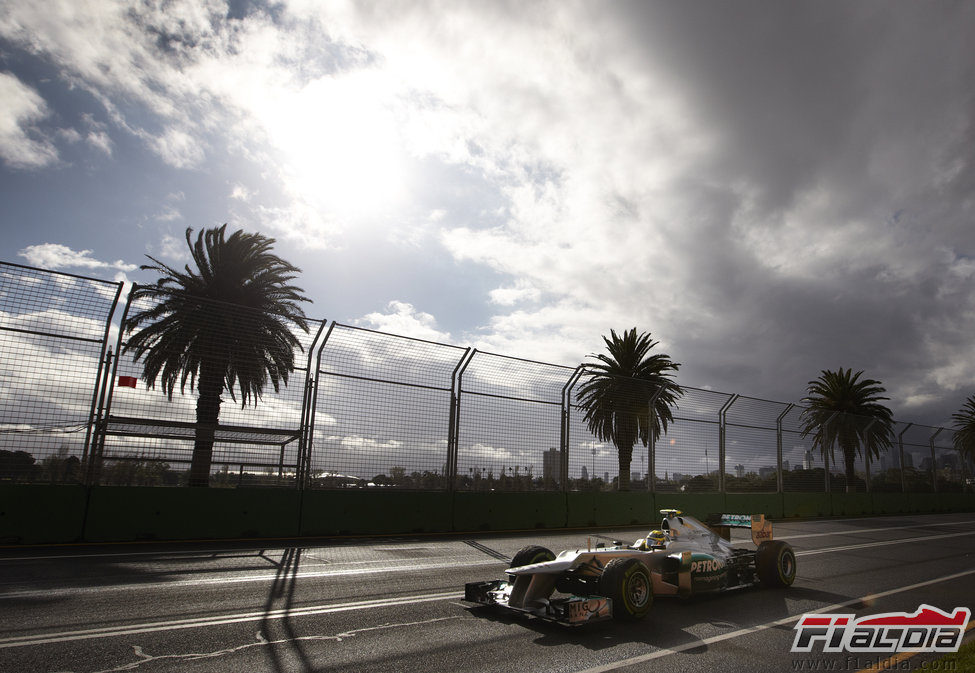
{"x":882,"y":543}
{"x":632,"y":661}
{"x":170,"y":625}
{"x":412,"y":566}
{"x":894,"y":529}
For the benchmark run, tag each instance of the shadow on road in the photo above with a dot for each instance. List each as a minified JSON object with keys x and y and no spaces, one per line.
{"x":285,"y":651}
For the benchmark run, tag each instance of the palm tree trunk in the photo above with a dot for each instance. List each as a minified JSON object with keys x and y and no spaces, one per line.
{"x":207,"y":415}
{"x":849,"y":458}
{"x":626,"y":435}
{"x":626,"y":455}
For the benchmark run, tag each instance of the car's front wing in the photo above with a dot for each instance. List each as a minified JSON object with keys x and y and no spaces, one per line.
{"x":570,"y":610}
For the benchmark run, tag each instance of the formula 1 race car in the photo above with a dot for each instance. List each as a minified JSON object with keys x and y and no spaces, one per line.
{"x":683,"y":558}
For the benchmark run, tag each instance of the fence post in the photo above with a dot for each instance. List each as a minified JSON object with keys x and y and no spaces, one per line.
{"x":900,"y":444}
{"x":780,"y":482}
{"x":866,"y":454}
{"x":564,"y":430}
{"x":307,"y":400}
{"x":721,"y":440}
{"x":108,"y":393}
{"x":652,"y":448}
{"x":313,"y":408}
{"x":98,"y":436}
{"x":453,"y":423}
{"x":99,"y":378}
{"x":934,"y":462}
{"x":823,"y":448}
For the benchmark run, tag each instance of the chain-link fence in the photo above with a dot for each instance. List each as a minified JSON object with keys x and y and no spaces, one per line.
{"x":356,"y":408}
{"x":53,"y":331}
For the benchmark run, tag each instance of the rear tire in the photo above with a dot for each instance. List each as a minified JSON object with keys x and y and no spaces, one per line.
{"x":533,"y":553}
{"x":776,"y":563}
{"x":627,"y":582}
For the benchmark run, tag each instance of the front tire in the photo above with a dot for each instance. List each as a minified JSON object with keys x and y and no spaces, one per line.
{"x":776,"y":564}
{"x":627,"y":582}
{"x":533,"y":553}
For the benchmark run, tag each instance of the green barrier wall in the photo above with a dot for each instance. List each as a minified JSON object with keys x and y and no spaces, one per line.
{"x":35,"y":514}
{"x":118,"y":513}
{"x":623,"y":509}
{"x":508,"y":511}
{"x":806,"y":504}
{"x":769,"y":504}
{"x":361,"y":512}
{"x":580,"y":509}
{"x":851,"y":504}
{"x":696,"y":504}
{"x":889,"y":503}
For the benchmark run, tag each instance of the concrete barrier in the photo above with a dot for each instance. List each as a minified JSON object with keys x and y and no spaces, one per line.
{"x":508,"y":511}
{"x":769,"y":504}
{"x":365,"y":512}
{"x":806,"y":504}
{"x":36,"y":514}
{"x":123,"y":513}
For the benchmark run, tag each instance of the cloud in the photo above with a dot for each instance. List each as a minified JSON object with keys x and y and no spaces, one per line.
{"x":100,"y":141}
{"x":241,"y":193}
{"x":19,"y":145}
{"x":402,"y":318}
{"x":57,"y":256}
{"x":178,"y":148}
{"x":509,"y":296}
{"x":770,"y":192}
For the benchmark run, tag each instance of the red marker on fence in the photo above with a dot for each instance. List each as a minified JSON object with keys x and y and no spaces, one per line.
{"x":127,"y":381}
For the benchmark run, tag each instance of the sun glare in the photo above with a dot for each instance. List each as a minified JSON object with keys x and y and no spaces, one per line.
{"x":342,"y":145}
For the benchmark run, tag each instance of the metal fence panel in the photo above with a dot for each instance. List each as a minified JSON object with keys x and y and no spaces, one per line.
{"x":509,"y":432}
{"x":364,"y":409}
{"x":382,"y":410}
{"x":148,"y":438}
{"x":53,"y":329}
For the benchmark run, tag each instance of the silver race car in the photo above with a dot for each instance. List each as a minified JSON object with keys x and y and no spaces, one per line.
{"x":684,"y":557}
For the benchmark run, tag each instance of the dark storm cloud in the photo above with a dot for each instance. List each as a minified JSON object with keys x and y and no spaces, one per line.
{"x":832,"y":225}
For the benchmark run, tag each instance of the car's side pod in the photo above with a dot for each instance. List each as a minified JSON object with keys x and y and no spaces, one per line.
{"x":722,"y":524}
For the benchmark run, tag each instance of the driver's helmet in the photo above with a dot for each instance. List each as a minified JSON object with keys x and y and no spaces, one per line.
{"x":657,"y":538}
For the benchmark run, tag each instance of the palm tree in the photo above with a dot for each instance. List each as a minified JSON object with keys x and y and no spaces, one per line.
{"x":965,"y":429}
{"x":616,"y":395}
{"x":222,"y":325}
{"x":863,"y":425}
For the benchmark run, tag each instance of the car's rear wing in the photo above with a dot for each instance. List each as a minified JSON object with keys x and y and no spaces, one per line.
{"x":723,"y":523}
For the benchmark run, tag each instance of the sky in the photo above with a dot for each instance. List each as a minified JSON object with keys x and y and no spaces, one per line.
{"x":770,"y":189}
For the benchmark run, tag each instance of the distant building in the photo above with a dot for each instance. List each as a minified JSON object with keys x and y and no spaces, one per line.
{"x":766,"y":472}
{"x":807,"y":460}
{"x":551,"y":465}
{"x":585,"y":473}
{"x":785,"y":466}
{"x":908,"y":460}
{"x":635,"y":477}
{"x":606,"y":477}
{"x":739,"y":471}
{"x":677,"y":476}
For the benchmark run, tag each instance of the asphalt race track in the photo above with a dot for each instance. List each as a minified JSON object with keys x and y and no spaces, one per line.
{"x":395,"y":604}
